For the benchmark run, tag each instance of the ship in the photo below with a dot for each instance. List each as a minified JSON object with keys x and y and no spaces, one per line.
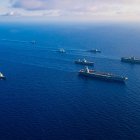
{"x":101,"y":75}
{"x":33,"y":42}
{"x":84,"y":62}
{"x":61,"y":50}
{"x":2,"y":77}
{"x":131,"y":60}
{"x":95,"y":51}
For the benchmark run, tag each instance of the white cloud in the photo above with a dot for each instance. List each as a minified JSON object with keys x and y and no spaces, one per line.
{"x":9,"y":14}
{"x":29,"y":4}
{"x":90,"y":9}
{"x":68,"y":4}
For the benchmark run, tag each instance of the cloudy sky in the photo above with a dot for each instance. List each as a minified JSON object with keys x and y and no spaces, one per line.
{"x":71,"y":9}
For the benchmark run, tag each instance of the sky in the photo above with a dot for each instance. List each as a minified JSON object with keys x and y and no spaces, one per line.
{"x":86,"y":10}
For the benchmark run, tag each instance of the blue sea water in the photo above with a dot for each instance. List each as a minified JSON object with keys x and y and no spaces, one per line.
{"x":43,"y":97}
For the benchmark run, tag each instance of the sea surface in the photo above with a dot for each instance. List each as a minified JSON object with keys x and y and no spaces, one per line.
{"x":43,"y":98}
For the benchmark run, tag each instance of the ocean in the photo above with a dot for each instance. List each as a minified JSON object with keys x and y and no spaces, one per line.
{"x":43,"y":98}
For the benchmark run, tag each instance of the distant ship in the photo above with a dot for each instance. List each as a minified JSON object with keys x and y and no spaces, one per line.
{"x":95,"y":51}
{"x":61,"y":50}
{"x":2,"y":77}
{"x":131,"y":60}
{"x":33,"y":42}
{"x":84,"y":62}
{"x":101,"y":75}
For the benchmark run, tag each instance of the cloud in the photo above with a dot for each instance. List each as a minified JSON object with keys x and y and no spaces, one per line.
{"x":12,"y":13}
{"x":90,"y":9}
{"x":29,"y":4}
{"x":99,"y":6}
{"x":67,"y":4}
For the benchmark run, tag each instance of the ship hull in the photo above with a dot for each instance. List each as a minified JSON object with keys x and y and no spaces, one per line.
{"x":127,"y":60}
{"x":94,"y":51}
{"x":2,"y":78}
{"x":84,"y":63}
{"x":106,"y":78}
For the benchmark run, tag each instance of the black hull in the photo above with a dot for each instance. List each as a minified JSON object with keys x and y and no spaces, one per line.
{"x":93,"y":76}
{"x":131,"y":62}
{"x":93,"y":51}
{"x":86,"y":64}
{"x":2,"y":78}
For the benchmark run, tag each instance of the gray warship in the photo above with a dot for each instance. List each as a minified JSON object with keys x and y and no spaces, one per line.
{"x":2,"y":77}
{"x":101,"y":75}
{"x":95,"y":51}
{"x":84,"y":62}
{"x":131,"y":60}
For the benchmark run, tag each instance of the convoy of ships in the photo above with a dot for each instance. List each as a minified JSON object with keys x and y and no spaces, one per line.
{"x":91,"y":73}
{"x":98,"y":75}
